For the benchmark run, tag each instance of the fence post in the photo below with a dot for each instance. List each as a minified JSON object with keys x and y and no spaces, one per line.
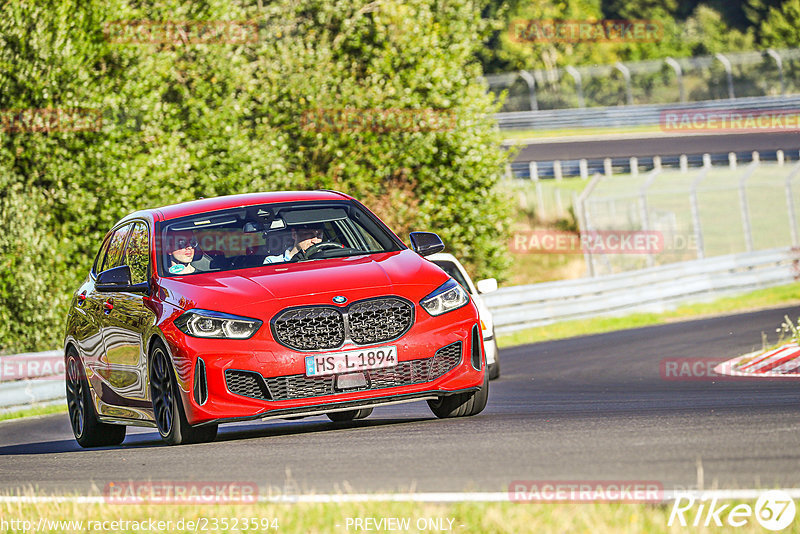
{"x":645,"y":211}
{"x":559,"y":204}
{"x":626,"y":74}
{"x":790,"y":204}
{"x":576,"y":75}
{"x":583,"y":218}
{"x":679,"y":73}
{"x":531,"y":82}
{"x":657,"y":162}
{"x":748,"y":230}
{"x":584,"y":167}
{"x":557,"y":172}
{"x":533,"y":168}
{"x":698,"y":230}
{"x":684,"y":162}
{"x":779,"y":62}
{"x":728,"y":71}
{"x":706,"y":160}
{"x":732,"y":160}
{"x":634,"y":162}
{"x":779,"y":154}
{"x":607,"y":167}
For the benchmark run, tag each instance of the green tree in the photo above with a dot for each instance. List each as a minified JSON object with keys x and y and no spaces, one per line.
{"x":185,"y":119}
{"x":781,"y":28}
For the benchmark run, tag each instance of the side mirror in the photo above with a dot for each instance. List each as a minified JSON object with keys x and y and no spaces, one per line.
{"x":119,"y":279}
{"x":486,"y":286}
{"x":426,"y":243}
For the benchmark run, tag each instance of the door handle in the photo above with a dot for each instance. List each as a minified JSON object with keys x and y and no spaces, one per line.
{"x":108,"y":305}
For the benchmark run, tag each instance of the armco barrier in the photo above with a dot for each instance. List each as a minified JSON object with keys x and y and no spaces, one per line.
{"x":647,"y":290}
{"x":31,"y":378}
{"x":638,"y":115}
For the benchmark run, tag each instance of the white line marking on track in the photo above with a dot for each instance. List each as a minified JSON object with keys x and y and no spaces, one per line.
{"x":434,"y":497}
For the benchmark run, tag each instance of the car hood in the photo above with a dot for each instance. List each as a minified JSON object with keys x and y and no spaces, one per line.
{"x":402,"y":273}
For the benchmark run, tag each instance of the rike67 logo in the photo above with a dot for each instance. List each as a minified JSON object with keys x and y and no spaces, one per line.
{"x":774,"y":510}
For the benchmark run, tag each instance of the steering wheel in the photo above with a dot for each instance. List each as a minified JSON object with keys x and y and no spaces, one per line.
{"x":319,"y":247}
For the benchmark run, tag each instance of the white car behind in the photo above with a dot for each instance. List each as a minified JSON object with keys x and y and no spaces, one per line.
{"x":449,"y":264}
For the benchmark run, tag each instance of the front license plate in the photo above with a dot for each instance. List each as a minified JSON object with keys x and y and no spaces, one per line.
{"x":332,"y":363}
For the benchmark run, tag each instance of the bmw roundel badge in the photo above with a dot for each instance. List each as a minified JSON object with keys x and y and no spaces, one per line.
{"x":338,"y":299}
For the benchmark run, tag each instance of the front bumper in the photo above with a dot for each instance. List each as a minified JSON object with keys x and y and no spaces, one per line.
{"x":274,"y":362}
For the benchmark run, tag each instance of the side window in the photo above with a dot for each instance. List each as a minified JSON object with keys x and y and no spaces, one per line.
{"x":116,"y":244}
{"x":98,"y":261}
{"x":137,"y":255}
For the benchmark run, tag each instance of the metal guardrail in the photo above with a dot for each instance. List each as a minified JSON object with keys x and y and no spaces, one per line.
{"x":31,"y":378}
{"x":638,"y":115}
{"x":647,"y":290}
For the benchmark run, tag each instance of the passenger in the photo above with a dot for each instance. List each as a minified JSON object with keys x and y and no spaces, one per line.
{"x":304,"y":237}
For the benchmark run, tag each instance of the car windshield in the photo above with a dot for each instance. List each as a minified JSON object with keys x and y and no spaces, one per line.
{"x":270,"y":234}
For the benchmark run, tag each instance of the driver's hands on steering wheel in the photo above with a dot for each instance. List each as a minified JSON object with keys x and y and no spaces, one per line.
{"x":314,"y":249}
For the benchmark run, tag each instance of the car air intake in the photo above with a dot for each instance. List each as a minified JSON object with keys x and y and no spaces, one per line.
{"x":476,"y":348}
{"x":200,"y":382}
{"x":247,"y":384}
{"x":252,"y":384}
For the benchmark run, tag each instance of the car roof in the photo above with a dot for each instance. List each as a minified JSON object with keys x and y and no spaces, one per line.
{"x":196,"y":207}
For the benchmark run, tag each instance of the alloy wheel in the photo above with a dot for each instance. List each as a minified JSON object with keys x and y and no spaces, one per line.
{"x":162,"y":392}
{"x":75,"y":396}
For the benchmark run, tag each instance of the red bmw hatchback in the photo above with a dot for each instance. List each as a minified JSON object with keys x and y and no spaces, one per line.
{"x":260,"y":306}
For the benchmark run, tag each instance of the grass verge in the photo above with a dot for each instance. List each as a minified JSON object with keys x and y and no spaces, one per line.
{"x":543,"y":134}
{"x":36,"y":410}
{"x":319,"y":518}
{"x":760,"y":299}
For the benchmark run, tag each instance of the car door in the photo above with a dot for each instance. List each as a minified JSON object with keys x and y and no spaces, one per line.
{"x":126,"y":321}
{"x":87,"y":311}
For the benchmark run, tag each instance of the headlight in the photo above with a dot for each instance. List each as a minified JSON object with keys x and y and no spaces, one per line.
{"x":449,"y":296}
{"x":206,"y":323}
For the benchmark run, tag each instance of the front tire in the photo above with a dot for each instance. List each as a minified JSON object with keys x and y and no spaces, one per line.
{"x":461,"y":404}
{"x":88,"y":430}
{"x":168,"y":407}
{"x":494,"y":369}
{"x":349,"y":415}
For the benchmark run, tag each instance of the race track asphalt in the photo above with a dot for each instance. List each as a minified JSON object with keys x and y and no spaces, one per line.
{"x":588,"y":408}
{"x":655,"y":144}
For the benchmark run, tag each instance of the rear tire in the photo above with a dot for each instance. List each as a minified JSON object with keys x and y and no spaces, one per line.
{"x":461,"y":404}
{"x":168,"y":407}
{"x":349,"y":415}
{"x":88,"y":430}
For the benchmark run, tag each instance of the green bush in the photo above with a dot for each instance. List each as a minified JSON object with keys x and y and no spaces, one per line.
{"x":183,"y":120}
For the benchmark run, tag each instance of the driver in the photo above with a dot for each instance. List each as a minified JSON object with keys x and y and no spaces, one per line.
{"x":304,"y":236}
